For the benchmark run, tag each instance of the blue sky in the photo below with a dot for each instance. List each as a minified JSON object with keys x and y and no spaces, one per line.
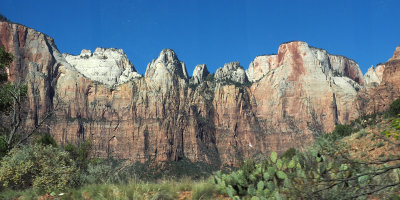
{"x":215,"y":32}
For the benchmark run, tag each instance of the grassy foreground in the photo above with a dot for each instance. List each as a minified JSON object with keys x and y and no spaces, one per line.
{"x":164,"y":189}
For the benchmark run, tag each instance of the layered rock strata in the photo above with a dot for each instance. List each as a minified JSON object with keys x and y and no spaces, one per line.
{"x":281,"y":101}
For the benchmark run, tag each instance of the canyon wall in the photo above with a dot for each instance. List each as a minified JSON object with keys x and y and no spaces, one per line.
{"x":280,"y":101}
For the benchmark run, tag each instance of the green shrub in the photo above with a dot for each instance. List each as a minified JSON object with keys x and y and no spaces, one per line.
{"x":47,"y":139}
{"x":80,"y":153}
{"x":289,"y":153}
{"x":101,"y":172}
{"x":44,"y":167}
{"x":394,"y":108}
{"x":341,"y":131}
{"x":3,"y":147}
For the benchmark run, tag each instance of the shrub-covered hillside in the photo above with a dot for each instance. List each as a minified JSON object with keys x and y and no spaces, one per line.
{"x":356,"y":161}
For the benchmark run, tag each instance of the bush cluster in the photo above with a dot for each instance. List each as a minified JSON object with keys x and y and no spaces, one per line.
{"x":394,"y":108}
{"x":46,"y":168}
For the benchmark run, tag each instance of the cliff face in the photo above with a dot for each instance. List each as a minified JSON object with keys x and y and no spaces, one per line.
{"x":281,"y":101}
{"x":36,"y":62}
{"x":374,"y":76}
{"x":309,"y":92}
{"x":379,"y":98}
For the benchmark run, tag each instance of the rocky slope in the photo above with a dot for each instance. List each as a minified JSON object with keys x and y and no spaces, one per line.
{"x":280,"y":101}
{"x":379,"y":98}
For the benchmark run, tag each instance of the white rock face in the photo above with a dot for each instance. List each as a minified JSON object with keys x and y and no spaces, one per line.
{"x":373,"y":77}
{"x":106,"y":65}
{"x":199,"y":74}
{"x":306,"y":81}
{"x":161,"y":72}
{"x":331,"y":65}
{"x":231,"y":71}
{"x":260,"y":66}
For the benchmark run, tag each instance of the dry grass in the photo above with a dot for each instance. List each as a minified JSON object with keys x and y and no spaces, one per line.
{"x":185,"y":189}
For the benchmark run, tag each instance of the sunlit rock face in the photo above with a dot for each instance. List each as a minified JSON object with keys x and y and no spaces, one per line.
{"x":308,"y":91}
{"x":200,"y":73}
{"x":231,"y":72}
{"x":106,"y":65}
{"x":374,"y":76}
{"x":281,"y":101}
{"x":260,"y":66}
{"x":378,"y":98}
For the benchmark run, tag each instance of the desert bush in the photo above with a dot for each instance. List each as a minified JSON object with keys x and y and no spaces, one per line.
{"x":107,"y":171}
{"x":47,"y":139}
{"x":80,"y":153}
{"x":289,"y":153}
{"x":394,"y":108}
{"x":42,"y":167}
{"x":3,"y":147}
{"x":341,"y":131}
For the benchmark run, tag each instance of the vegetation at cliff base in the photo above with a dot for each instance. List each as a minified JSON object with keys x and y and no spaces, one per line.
{"x":355,"y":161}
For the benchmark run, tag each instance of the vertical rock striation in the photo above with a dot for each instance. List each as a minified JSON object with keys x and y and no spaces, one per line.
{"x":280,"y":101}
{"x":200,"y":73}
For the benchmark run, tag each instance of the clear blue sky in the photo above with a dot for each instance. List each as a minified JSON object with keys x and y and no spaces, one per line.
{"x":215,"y":32}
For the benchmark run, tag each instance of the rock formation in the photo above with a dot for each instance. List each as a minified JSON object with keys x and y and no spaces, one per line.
{"x":199,"y":74}
{"x":281,"y":101}
{"x":231,"y":72}
{"x":107,"y":66}
{"x":260,"y":66}
{"x":379,"y":98}
{"x":374,"y":76}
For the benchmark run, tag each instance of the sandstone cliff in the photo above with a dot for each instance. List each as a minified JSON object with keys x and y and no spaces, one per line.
{"x":280,"y":101}
{"x":379,"y":98}
{"x":374,"y":76}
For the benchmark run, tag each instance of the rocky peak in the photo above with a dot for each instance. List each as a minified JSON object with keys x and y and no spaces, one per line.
{"x":260,"y":66}
{"x":231,"y":72}
{"x":109,"y":66}
{"x":167,"y":62}
{"x":373,"y":77}
{"x":396,"y":54}
{"x":199,"y":74}
{"x":303,"y":56}
{"x":168,"y":56}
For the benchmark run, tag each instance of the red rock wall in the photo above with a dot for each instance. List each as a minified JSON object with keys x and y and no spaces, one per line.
{"x":214,"y":123}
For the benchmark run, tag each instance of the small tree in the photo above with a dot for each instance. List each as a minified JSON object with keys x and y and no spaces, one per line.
{"x":12,"y":99}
